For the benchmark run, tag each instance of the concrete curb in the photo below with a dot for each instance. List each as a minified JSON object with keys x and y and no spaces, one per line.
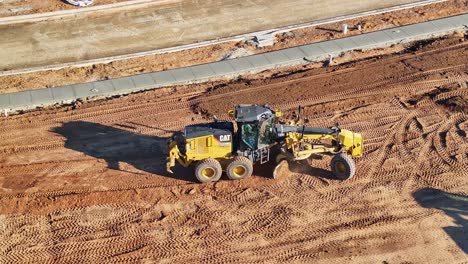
{"x":232,"y":68}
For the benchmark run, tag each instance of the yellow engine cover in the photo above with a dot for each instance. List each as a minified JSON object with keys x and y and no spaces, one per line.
{"x":210,"y":146}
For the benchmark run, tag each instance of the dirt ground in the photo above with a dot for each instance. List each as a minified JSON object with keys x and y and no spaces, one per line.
{"x":36,"y":80}
{"x":23,"y":7}
{"x":87,"y":183}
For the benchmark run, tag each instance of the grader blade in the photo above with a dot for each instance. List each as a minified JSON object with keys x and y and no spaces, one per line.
{"x":281,"y":170}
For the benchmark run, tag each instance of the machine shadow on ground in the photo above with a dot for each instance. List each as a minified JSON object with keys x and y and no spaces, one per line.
{"x":144,"y":152}
{"x":453,"y":205}
{"x":309,"y":169}
{"x":266,"y":170}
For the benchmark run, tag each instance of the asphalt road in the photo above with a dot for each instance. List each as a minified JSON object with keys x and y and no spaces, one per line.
{"x":107,"y":33}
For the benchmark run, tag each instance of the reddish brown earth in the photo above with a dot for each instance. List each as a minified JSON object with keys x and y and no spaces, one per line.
{"x":87,"y":183}
{"x":212,"y":53}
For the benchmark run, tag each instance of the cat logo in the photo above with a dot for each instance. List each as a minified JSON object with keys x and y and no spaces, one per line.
{"x":225,"y":138}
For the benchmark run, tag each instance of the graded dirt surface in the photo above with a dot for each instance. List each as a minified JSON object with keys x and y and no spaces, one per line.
{"x":217,"y":52}
{"x":21,"y":7}
{"x":160,"y":25}
{"x":87,"y":183}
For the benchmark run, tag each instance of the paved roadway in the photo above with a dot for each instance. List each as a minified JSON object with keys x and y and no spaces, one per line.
{"x":105,"y":33}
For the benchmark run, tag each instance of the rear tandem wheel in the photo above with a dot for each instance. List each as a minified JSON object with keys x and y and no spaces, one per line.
{"x":239,"y":168}
{"x":208,"y":170}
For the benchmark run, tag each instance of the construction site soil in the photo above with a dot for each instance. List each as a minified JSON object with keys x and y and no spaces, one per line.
{"x":217,"y":52}
{"x":21,"y":7}
{"x":87,"y":182}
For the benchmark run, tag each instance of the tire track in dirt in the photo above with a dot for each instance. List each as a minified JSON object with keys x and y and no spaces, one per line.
{"x":305,"y":217}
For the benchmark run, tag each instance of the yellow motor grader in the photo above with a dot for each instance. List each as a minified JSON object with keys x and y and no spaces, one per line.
{"x":258,"y":136}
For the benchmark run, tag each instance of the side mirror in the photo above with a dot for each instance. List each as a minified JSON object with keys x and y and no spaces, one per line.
{"x":299,"y":115}
{"x":337,"y":128}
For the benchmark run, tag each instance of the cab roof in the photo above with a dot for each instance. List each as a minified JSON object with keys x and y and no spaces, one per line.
{"x":251,"y":113}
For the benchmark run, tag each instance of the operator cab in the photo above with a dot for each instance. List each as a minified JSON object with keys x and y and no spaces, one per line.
{"x":255,"y":129}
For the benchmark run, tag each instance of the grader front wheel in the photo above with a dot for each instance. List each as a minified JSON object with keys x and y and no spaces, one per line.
{"x":208,"y":170}
{"x":343,"y":166}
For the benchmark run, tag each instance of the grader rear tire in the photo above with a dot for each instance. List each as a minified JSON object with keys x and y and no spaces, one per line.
{"x":239,"y":168}
{"x":208,"y":170}
{"x":343,"y":166}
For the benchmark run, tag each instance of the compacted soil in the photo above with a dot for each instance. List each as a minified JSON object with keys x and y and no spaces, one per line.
{"x":87,"y":182}
{"x":10,"y":8}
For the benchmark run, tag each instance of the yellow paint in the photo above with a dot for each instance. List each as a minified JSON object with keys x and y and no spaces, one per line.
{"x":296,"y":142}
{"x":197,"y":149}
